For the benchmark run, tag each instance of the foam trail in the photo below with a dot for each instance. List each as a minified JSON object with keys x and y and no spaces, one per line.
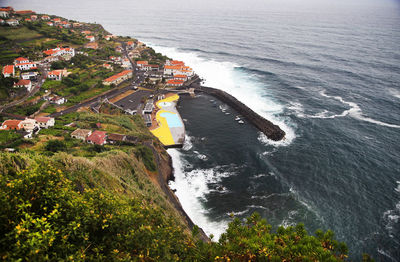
{"x":245,"y":87}
{"x":394,"y":92}
{"x":191,"y":189}
{"x":355,"y":112}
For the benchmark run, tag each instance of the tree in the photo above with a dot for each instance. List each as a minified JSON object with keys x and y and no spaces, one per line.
{"x":56,"y":145}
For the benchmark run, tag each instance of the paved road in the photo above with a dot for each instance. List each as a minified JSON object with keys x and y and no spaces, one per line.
{"x":138,"y":78}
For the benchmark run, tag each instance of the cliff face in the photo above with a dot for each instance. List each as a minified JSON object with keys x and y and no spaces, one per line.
{"x":271,"y":130}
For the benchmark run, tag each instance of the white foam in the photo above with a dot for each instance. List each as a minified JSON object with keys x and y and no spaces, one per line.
{"x":239,"y":213}
{"x":245,"y":87}
{"x":191,"y":189}
{"x":394,"y":92}
{"x":187,"y":145}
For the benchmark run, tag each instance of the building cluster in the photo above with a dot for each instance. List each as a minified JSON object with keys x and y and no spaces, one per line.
{"x":98,"y":137}
{"x":28,"y":125}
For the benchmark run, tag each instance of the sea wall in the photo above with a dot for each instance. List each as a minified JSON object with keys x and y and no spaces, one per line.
{"x":271,"y":130}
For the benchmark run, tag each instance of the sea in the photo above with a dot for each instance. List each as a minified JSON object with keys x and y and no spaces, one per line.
{"x":327,"y":72}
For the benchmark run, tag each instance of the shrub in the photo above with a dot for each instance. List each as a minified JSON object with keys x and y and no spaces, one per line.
{"x":56,"y":145}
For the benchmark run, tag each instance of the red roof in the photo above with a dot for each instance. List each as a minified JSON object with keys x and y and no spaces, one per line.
{"x":12,"y":124}
{"x":180,"y":76}
{"x":29,"y":63}
{"x":23,"y":82}
{"x":176,"y":62}
{"x":19,"y":59}
{"x":24,"y":12}
{"x":142,"y":62}
{"x":55,"y":72}
{"x":173,"y":67}
{"x":43,"y":119}
{"x":114,"y":77}
{"x":4,"y":9}
{"x":97,"y":137}
{"x":8,"y":69}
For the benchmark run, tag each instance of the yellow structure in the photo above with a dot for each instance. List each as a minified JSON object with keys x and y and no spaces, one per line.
{"x":163,"y":131}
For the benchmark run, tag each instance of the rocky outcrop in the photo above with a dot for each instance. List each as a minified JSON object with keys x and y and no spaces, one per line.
{"x":272,"y":131}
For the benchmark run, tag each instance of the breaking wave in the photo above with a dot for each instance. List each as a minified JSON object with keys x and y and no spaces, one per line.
{"x":228,"y":77}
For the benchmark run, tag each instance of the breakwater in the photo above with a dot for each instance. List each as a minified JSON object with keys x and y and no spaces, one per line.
{"x":271,"y":130}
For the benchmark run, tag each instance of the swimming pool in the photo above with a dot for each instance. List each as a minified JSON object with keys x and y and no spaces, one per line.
{"x":172,"y":119}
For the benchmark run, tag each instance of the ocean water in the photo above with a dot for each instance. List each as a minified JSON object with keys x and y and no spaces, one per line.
{"x":328,"y":72}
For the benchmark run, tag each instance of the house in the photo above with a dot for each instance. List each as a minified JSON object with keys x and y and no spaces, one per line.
{"x":45,"y":17}
{"x":28,"y":20}
{"x":30,"y":125}
{"x":134,"y":54}
{"x":8,"y":71}
{"x":24,"y":12}
{"x":97,"y":138}
{"x":29,"y":75}
{"x":11,"y":125}
{"x":45,"y":122}
{"x":34,"y":17}
{"x":181,"y":77}
{"x":50,"y":59}
{"x":108,"y":66}
{"x":90,"y":38}
{"x":12,"y":22}
{"x":24,"y":83}
{"x":109,"y":37}
{"x":21,"y":60}
{"x":131,"y":139}
{"x":141,"y":63}
{"x":115,"y":138}
{"x":57,"y":21}
{"x":92,"y":45}
{"x":174,"y":63}
{"x":59,"y":51}
{"x":49,"y":23}
{"x":126,"y":63}
{"x":118,"y":78}
{"x":172,"y":69}
{"x":130,"y":44}
{"x":2,"y":22}
{"x":26,"y":66}
{"x":57,"y":100}
{"x":86,"y":32}
{"x":56,"y":75}
{"x":4,"y":12}
{"x":174,"y":82}
{"x":150,"y":67}
{"x":65,"y":24}
{"x":81,"y":134}
{"x":118,"y":49}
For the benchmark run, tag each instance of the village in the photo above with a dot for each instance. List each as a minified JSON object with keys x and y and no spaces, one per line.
{"x":84,"y":72}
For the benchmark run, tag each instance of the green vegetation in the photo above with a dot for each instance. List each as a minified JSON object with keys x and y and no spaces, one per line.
{"x":47,"y":212}
{"x":27,"y":109}
{"x":10,"y":139}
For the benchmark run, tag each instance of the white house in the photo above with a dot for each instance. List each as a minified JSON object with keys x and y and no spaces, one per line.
{"x":26,"y":66}
{"x":60,"y":51}
{"x":30,"y":125}
{"x":90,"y":38}
{"x":45,"y":122}
{"x":12,"y":22}
{"x":24,"y":83}
{"x":55,"y":75}
{"x":45,"y":17}
{"x":21,"y":60}
{"x":4,"y":12}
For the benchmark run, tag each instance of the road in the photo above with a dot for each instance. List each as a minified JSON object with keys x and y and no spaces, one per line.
{"x":138,"y":78}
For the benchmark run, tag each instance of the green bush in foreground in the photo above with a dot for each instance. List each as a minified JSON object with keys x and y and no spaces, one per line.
{"x":43,"y":216}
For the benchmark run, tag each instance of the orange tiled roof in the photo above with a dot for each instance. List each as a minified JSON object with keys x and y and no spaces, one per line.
{"x":8,"y":69}
{"x":114,"y":77}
